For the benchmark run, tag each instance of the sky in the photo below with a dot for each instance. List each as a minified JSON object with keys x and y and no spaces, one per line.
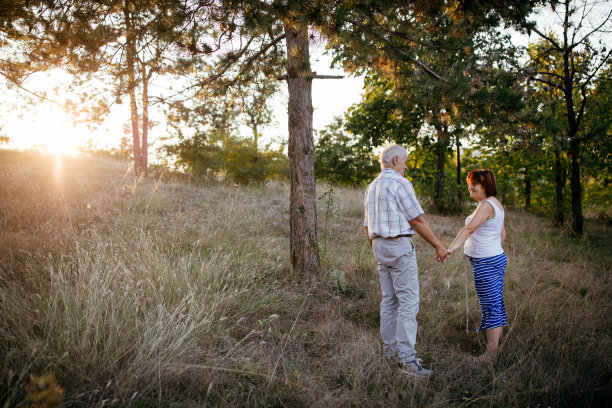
{"x":47,"y":124}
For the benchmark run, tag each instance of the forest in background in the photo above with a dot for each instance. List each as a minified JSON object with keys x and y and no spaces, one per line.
{"x":442,"y":78}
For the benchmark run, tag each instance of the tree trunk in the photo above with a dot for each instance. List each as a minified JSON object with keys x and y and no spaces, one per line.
{"x":144,"y":151}
{"x":130,"y":53}
{"x":439,"y":181}
{"x":527,"y":190}
{"x":458,"y":144}
{"x":303,"y":241}
{"x":574,"y":125}
{"x":559,"y":184}
{"x":577,"y":219}
{"x":255,"y":136}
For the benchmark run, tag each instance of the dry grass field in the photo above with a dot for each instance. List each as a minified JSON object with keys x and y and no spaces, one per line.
{"x":159,"y":292}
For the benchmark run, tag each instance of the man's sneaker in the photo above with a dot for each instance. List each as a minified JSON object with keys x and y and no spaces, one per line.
{"x":415,"y":369}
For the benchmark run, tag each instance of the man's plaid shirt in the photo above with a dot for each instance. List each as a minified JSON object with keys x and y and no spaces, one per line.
{"x":390,"y":203}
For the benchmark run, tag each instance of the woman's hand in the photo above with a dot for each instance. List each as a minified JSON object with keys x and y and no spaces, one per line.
{"x":443,"y":258}
{"x":449,"y":252}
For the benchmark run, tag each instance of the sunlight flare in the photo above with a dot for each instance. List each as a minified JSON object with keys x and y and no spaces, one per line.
{"x":57,"y":171}
{"x":50,"y":130}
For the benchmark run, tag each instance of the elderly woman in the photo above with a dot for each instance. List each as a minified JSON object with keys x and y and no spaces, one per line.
{"x":483,"y":235}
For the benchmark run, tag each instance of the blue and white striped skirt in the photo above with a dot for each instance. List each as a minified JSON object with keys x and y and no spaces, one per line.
{"x":489,"y":282}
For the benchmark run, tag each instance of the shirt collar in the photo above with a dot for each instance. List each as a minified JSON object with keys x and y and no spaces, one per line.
{"x":387,"y":170}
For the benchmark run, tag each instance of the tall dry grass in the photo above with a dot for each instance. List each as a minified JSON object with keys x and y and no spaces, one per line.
{"x":146,"y":292}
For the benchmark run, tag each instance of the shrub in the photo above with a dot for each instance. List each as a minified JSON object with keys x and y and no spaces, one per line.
{"x":340,"y":159}
{"x":244,"y":164}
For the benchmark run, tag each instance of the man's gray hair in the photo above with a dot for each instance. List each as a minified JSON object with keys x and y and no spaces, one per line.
{"x":389,"y":152}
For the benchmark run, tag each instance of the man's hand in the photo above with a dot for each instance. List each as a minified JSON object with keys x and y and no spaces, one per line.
{"x":422,"y":228}
{"x":441,"y":254}
{"x":449,"y":252}
{"x":368,"y":236}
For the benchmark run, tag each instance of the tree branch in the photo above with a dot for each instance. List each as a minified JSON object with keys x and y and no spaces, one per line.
{"x":582,"y":104}
{"x":547,"y":38}
{"x":219,"y":74}
{"x":549,"y":83}
{"x":606,"y":20}
{"x":254,"y":57}
{"x":312,"y":75}
{"x":552,"y":74}
{"x":399,"y":51}
{"x":394,"y":33}
{"x":42,"y":97}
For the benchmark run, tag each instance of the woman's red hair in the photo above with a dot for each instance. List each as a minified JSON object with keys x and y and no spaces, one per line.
{"x":485,"y":178}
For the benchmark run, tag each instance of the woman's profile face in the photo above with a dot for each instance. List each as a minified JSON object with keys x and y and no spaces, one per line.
{"x":477,"y":191}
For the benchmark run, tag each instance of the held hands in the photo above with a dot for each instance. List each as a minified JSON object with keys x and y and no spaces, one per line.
{"x":442,"y":254}
{"x":449,"y":252}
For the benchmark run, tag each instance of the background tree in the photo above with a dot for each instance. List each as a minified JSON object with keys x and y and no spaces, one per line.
{"x":546,"y":104}
{"x":255,"y":103}
{"x":597,"y":151}
{"x":579,"y":62}
{"x":340,"y":158}
{"x":406,"y":104}
{"x":115,"y":48}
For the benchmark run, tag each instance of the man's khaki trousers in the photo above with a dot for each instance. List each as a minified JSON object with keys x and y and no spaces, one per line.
{"x":397,"y":267}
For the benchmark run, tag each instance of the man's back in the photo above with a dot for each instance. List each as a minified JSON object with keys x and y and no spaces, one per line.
{"x":390,"y":204}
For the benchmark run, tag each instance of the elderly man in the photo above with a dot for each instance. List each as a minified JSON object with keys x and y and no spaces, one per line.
{"x":392,"y":215}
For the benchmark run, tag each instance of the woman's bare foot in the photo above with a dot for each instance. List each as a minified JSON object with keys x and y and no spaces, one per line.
{"x":488,"y":356}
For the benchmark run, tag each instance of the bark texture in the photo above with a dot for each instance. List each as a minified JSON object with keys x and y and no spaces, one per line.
{"x":130,"y":59}
{"x":304,"y":250}
{"x":441,"y":147}
{"x":559,"y":184}
{"x":577,"y":218}
{"x":527,"y":190}
{"x":144,"y":151}
{"x":458,"y":168}
{"x":574,"y":123}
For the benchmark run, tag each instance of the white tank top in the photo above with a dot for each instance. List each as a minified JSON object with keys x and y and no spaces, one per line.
{"x":486,"y":240}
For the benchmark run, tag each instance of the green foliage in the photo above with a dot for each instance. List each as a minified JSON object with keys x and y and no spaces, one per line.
{"x":529,"y":150}
{"x":123,"y":151}
{"x":277,"y":164}
{"x":198,"y":155}
{"x":382,"y":116}
{"x":205,"y":156}
{"x":341,"y":159}
{"x":597,"y":151}
{"x":404,"y":104}
{"x":243,"y":163}
{"x":422,"y":172}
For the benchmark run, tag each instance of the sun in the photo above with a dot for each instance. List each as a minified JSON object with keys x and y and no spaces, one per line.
{"x":62,"y":138}
{"x":59,"y":135}
{"x":49,"y":129}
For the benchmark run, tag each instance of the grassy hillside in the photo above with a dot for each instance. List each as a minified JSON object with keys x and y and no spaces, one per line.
{"x":147,"y":292}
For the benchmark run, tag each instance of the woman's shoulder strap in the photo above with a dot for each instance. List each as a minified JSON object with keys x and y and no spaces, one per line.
{"x":496,"y":208}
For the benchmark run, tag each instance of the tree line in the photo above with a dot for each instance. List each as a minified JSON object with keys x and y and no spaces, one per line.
{"x":537,"y":115}
{"x":439,"y":75}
